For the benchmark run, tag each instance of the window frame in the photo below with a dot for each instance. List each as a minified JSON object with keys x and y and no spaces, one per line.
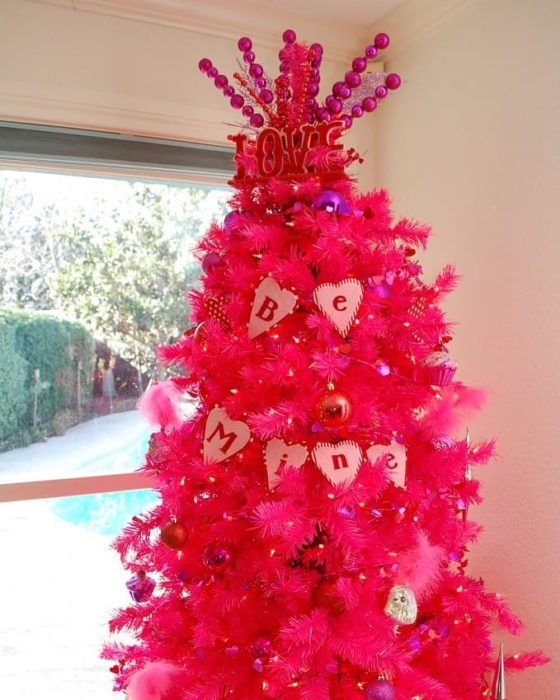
{"x":180,"y":162}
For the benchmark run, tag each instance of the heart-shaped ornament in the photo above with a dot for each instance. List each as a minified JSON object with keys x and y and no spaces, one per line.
{"x":278,"y":454}
{"x":340,"y":302}
{"x":395,"y":454}
{"x":340,"y":463}
{"x":223,"y":437}
{"x":271,"y":305}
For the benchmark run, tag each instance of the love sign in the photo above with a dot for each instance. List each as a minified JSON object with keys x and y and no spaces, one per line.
{"x":340,"y":302}
{"x":223,"y":437}
{"x":271,"y":304}
{"x":395,"y":454}
{"x":284,"y":151}
{"x":340,"y":463}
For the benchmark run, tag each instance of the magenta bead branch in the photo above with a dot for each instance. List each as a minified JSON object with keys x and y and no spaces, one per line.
{"x":292,"y":98}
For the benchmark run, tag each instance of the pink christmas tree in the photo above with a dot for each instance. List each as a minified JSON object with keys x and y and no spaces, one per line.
{"x":311,"y":540}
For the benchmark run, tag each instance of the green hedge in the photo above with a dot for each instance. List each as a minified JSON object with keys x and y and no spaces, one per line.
{"x":29,"y":341}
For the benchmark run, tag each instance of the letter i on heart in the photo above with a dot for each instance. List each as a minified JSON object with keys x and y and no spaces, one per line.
{"x":271,"y":305}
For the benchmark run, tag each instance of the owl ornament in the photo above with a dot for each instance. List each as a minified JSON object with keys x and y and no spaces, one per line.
{"x":401,"y":605}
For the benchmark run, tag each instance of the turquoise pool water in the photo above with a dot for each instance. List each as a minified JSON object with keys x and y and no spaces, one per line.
{"x":108,"y":513}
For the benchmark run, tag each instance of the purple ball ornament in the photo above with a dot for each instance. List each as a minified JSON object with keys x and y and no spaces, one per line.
{"x":352,"y":79}
{"x":260,"y":647}
{"x":381,"y":41}
{"x":217,"y":557}
{"x":317,"y":49}
{"x":359,"y":64}
{"x":334,"y":104}
{"x":369,"y":104}
{"x":331,"y":201}
{"x":237,"y":101}
{"x":323,"y":114}
{"x":347,"y":120}
{"x":371,"y":52}
{"x":204,"y":65}
{"x":140,"y":587}
{"x":244,"y":44}
{"x":249,"y":56}
{"x":379,"y":690}
{"x":211,"y":261}
{"x":229,"y":91}
{"x":393,"y":81}
{"x":289,"y":36}
{"x":381,"y":92}
{"x":231,"y":222}
{"x":341,"y":90}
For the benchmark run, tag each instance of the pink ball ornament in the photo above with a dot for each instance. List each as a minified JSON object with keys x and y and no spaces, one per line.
{"x":393,"y":81}
{"x":231,"y":221}
{"x":317,"y":49}
{"x":237,"y":101}
{"x":229,"y":91}
{"x":256,"y":70}
{"x":313,"y":89}
{"x":311,"y":103}
{"x":323,"y":114}
{"x":289,"y":36}
{"x":352,"y":79}
{"x":359,"y":64}
{"x":247,"y":111}
{"x":340,"y":89}
{"x":381,"y":92}
{"x":249,"y":56}
{"x":220,"y":81}
{"x":369,"y":104}
{"x":379,"y":690}
{"x":211,"y":261}
{"x":212,"y":73}
{"x":217,"y":557}
{"x":244,"y":44}
{"x":260,"y":83}
{"x":257,"y":120}
{"x":357,"y":112}
{"x":266,"y":96}
{"x":204,"y":65}
{"x":381,"y":41}
{"x":334,"y":105}
{"x":371,"y":52}
{"x":347,"y":120}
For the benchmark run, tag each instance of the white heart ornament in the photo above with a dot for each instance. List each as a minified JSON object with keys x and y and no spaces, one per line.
{"x":223,"y":437}
{"x":395,"y":454}
{"x":340,"y":463}
{"x":271,"y":305}
{"x":279,"y":454}
{"x":340,"y":302}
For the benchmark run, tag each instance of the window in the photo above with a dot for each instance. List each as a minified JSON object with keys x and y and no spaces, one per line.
{"x":94,"y":268}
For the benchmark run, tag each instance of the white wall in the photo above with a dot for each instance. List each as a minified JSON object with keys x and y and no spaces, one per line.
{"x":471,"y":143}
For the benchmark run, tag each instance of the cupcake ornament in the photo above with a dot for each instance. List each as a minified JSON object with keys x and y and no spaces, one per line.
{"x":439,"y":368}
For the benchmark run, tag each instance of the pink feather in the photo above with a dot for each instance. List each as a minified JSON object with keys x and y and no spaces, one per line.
{"x":153,"y":682}
{"x":419,"y":567}
{"x":158,"y":405}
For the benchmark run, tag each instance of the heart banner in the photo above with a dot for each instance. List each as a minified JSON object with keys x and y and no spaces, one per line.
{"x":279,"y":454}
{"x":271,"y":305}
{"x":340,"y":463}
{"x":340,"y":302}
{"x":395,"y":454}
{"x":223,"y":437}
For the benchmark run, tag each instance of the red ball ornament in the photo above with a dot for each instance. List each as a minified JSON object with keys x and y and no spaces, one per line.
{"x":174,"y":535}
{"x":333,"y":409}
{"x":379,"y":690}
